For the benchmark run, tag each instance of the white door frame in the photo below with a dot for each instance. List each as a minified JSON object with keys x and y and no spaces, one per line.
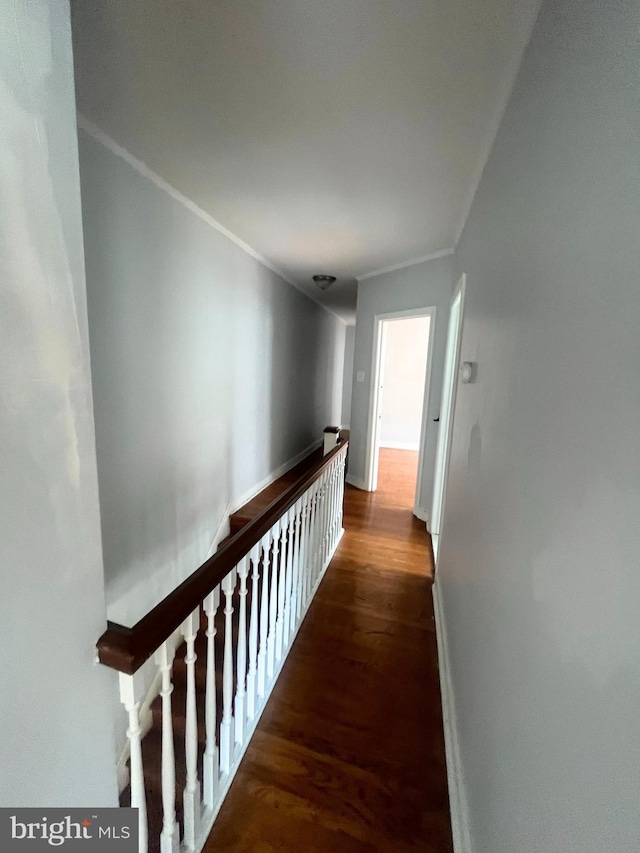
{"x":372,"y":447}
{"x":443,"y":446}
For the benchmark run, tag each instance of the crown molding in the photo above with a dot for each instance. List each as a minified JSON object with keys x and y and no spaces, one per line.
{"x":410,"y":263}
{"x":104,"y":139}
{"x":108,"y":142}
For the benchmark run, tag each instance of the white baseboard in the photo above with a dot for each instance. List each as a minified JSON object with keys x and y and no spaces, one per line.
{"x":457,"y":798}
{"x":423,"y":514}
{"x":400,"y":445}
{"x":224,"y":529}
{"x":251,"y":493}
{"x":435,"y":544}
{"x":357,"y":482}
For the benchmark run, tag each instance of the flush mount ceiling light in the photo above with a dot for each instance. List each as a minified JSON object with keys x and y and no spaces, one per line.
{"x":324,"y":281}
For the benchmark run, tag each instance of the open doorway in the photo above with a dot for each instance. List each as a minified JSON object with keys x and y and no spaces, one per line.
{"x":400,"y":378}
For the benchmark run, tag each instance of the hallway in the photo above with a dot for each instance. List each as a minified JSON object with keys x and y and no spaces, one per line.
{"x":349,"y":754}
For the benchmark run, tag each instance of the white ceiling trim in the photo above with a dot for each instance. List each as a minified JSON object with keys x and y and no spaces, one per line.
{"x":104,"y":139}
{"x":411,"y":263}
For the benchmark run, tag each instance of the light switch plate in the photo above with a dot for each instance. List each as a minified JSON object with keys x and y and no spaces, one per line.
{"x":360,"y":376}
{"x":468,"y":371}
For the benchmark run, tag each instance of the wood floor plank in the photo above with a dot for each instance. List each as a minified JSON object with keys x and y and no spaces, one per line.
{"x":349,"y":754}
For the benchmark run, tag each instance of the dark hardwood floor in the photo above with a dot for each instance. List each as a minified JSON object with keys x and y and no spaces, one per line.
{"x":349,"y":753}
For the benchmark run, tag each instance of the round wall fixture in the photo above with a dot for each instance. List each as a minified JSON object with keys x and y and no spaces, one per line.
{"x":324,"y":281}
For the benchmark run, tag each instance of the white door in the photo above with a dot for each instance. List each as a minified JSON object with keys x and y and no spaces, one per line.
{"x":449,"y":384}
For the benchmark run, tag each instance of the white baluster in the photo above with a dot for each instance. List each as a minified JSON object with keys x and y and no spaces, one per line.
{"x":169,"y":838}
{"x":273,"y":603}
{"x":319,"y":527}
{"x":264,"y":615}
{"x":312,"y":503}
{"x":297,"y":510}
{"x":317,"y":535}
{"x":286,"y":624}
{"x":336,"y":499}
{"x":330,"y":503}
{"x":322,"y":548}
{"x":316,"y":527}
{"x":327,"y":533}
{"x":339,"y":485}
{"x":326,"y":518}
{"x":312,"y":541}
{"x":321,"y":509}
{"x":304,"y":558}
{"x":282,"y":570}
{"x":334,"y":487}
{"x":131,"y":690}
{"x":191,"y":796}
{"x":226,"y":726}
{"x":241,"y":669}
{"x":211,"y":757}
{"x":334,"y":504}
{"x":253,"y":634}
{"x":343,"y":462}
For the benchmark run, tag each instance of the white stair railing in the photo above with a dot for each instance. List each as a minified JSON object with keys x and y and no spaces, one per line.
{"x":273,"y":584}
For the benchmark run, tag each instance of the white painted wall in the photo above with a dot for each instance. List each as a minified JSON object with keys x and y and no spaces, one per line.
{"x":56,"y":732}
{"x":420,"y":286}
{"x":403,"y":375}
{"x":347,"y":378}
{"x":539,"y":563}
{"x":209,"y":373}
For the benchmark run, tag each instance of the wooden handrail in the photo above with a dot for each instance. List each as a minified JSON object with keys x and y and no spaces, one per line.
{"x":126,"y":649}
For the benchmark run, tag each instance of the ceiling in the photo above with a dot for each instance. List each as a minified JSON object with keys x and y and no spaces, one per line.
{"x":331,"y":136}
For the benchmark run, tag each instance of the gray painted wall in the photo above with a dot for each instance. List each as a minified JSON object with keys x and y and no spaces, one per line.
{"x":56,"y":737}
{"x":539,"y":561}
{"x":209,"y":373}
{"x":419,"y":286}
{"x":347,"y":378}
